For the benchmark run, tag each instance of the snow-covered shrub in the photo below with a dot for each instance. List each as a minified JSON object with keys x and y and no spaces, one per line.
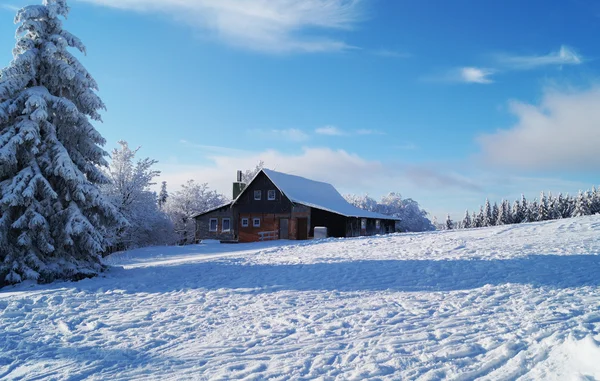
{"x":130,"y":192}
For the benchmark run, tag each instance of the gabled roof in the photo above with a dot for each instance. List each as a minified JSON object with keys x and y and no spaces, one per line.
{"x":316,"y":194}
{"x":212,"y":209}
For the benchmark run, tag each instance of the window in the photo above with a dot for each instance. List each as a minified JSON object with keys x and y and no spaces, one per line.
{"x":363,"y":223}
{"x":213,"y":225}
{"x":271,"y":195}
{"x":245,"y":222}
{"x":226,"y":225}
{"x":256,"y":222}
{"x":257,"y":195}
{"x":377,"y":224}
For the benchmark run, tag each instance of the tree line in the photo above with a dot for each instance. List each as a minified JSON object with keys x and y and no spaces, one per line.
{"x":547,"y":207}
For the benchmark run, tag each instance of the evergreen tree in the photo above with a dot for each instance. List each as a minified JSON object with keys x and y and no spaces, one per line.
{"x":525,"y":210}
{"x":480,"y":218}
{"x":554,"y":207}
{"x":495,"y":213}
{"x":543,"y":211}
{"x":466,"y":224}
{"x":595,"y":201}
{"x":487,"y":214}
{"x":53,"y":218}
{"x":517,"y":213}
{"x":582,"y":207}
{"x":449,"y":223}
{"x":508,"y":217}
{"x":501,"y":219}
{"x":533,"y":214}
{"x":163,"y":195}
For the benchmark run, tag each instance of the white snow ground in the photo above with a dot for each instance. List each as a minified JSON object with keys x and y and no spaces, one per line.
{"x":504,"y":303}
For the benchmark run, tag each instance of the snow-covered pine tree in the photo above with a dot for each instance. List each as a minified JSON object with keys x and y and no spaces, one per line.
{"x":495,"y":212}
{"x":467,"y":224}
{"x":449,"y":223}
{"x":481,"y":218}
{"x":525,"y":210}
{"x":582,"y":207}
{"x":543,"y":211}
{"x":474,"y":221}
{"x":52,"y":215}
{"x":554,"y":207}
{"x":487,"y":214}
{"x":517,"y":213}
{"x":508,"y":217}
{"x":533,"y":213}
{"x":501,"y":217}
{"x":595,"y":201}
{"x":163,"y":196}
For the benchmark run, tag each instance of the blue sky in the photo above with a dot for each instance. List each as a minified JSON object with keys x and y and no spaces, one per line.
{"x":447,"y":102}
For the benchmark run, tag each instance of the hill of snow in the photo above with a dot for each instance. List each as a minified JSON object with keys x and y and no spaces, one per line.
{"x":514,"y":302}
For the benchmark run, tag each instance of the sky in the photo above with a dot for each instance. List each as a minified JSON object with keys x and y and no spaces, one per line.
{"x":445,"y":102}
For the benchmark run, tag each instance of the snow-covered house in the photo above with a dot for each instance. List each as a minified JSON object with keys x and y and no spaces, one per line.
{"x":276,"y":205}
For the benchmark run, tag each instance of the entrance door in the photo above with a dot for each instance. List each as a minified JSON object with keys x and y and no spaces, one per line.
{"x":302,"y":228}
{"x":284,"y":224}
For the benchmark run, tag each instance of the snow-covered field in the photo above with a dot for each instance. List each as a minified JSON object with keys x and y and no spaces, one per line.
{"x":515,"y":302}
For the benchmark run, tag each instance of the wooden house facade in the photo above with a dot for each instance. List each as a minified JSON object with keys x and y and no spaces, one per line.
{"x":275,"y":205}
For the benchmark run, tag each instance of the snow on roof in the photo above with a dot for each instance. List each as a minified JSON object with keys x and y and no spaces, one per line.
{"x":318,"y":195}
{"x":212,"y":209}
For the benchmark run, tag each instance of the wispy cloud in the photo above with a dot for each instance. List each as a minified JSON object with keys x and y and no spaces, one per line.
{"x":476,"y":75}
{"x":564,"y":56}
{"x":275,"y":26}
{"x":290,"y":134}
{"x":10,"y":7}
{"x":330,"y":131}
{"x":336,"y":131}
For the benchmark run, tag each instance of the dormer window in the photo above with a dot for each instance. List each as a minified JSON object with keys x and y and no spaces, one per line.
{"x":257,"y":195}
{"x":272,"y":195}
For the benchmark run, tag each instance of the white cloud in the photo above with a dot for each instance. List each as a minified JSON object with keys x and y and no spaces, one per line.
{"x":561,"y":133}
{"x":475,"y":75}
{"x":290,"y":134}
{"x":330,"y":131}
{"x":263,"y":25}
{"x":10,"y":7}
{"x":564,"y":56}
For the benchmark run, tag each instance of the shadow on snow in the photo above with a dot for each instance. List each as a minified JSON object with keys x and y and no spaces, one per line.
{"x":556,"y":271}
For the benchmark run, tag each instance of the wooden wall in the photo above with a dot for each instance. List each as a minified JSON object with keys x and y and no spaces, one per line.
{"x":203,"y":225}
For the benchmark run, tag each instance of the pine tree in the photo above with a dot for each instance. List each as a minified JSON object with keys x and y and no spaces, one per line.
{"x":533,"y":213}
{"x":525,"y":210}
{"x":52,"y":215}
{"x":595,"y":201}
{"x":467,"y":221}
{"x":480,"y":218}
{"x":449,"y":223}
{"x":508,"y":217}
{"x":487,"y":214}
{"x":517,"y":213}
{"x":163,"y":195}
{"x":501,"y":217}
{"x":543,"y":211}
{"x":495,"y":212}
{"x":581,"y":205}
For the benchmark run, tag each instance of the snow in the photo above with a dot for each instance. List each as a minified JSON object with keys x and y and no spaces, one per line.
{"x":316,"y":194}
{"x":503,"y":303}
